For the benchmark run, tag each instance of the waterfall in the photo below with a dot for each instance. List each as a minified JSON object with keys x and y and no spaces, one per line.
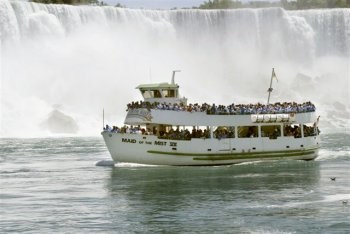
{"x":80,"y":59}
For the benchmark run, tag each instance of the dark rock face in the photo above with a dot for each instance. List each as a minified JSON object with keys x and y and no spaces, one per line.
{"x":59,"y":122}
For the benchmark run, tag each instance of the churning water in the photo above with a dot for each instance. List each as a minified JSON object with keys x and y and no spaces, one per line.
{"x":53,"y":185}
{"x":80,"y":59}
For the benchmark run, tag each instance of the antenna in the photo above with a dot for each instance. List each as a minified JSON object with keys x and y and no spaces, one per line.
{"x":173,"y":78}
{"x":270,"y":89}
{"x":103,"y":118}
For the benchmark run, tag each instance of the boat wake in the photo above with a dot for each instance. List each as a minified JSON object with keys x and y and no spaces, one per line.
{"x":337,"y":198}
{"x":132,"y":165}
{"x":105,"y":163}
{"x":249,"y":163}
{"x":325,"y":155}
{"x":251,"y":175}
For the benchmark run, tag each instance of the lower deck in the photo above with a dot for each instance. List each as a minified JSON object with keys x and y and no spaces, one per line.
{"x":152,"y":149}
{"x":213,"y":139}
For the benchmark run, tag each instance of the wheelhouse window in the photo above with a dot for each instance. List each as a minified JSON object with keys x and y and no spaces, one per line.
{"x":157,"y":94}
{"x":169,"y":93}
{"x":151,"y":93}
{"x":146,"y":94}
{"x":247,"y":131}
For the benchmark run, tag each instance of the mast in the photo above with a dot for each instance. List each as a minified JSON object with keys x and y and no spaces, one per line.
{"x":173,"y":77}
{"x":270,"y":89}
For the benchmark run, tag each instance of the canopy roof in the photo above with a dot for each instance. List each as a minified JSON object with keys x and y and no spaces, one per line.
{"x":157,"y":86}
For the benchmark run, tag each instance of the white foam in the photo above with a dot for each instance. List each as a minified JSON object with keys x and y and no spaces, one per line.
{"x":326,"y":154}
{"x":250,"y":163}
{"x":105,"y":163}
{"x":267,"y":231}
{"x":337,"y":197}
{"x":250,"y":175}
{"x":132,"y":165}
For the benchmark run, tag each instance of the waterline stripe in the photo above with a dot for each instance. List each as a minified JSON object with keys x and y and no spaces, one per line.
{"x":245,"y":154}
{"x":285,"y":155}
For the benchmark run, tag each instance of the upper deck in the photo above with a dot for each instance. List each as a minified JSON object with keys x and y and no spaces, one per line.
{"x":208,"y":115}
{"x":163,"y":104}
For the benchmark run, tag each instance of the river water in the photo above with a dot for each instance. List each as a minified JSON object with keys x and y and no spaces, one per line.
{"x":53,"y":185}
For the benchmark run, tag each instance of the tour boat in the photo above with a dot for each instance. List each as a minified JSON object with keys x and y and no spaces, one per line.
{"x":164,"y":129}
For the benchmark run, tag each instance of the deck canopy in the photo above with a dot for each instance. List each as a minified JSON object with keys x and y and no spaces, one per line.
{"x":157,"y":86}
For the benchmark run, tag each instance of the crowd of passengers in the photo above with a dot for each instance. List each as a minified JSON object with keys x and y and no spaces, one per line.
{"x":233,"y":109}
{"x":220,"y":133}
{"x":311,"y":131}
{"x":183,"y":134}
{"x":172,"y":134}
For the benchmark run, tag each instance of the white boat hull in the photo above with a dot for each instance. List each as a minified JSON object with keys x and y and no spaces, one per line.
{"x":149,"y":149}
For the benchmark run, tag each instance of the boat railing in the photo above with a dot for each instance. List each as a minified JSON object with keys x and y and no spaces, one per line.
{"x":273,"y":118}
{"x":240,"y":109}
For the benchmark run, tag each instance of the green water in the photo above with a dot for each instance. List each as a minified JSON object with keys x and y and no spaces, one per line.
{"x":53,"y":185}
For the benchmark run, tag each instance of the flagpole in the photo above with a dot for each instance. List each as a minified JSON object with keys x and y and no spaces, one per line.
{"x":103,"y":118}
{"x":270,"y":89}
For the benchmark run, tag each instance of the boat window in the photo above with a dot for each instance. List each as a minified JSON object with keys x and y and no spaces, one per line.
{"x":157,"y":94}
{"x":224,"y":132}
{"x":168,"y":93}
{"x":247,"y":131}
{"x":146,"y":93}
{"x":271,"y":131}
{"x":310,"y":129}
{"x":292,"y":130}
{"x":151,"y":93}
{"x":183,"y":132}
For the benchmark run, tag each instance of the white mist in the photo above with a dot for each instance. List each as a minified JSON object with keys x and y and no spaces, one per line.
{"x":83,"y":59}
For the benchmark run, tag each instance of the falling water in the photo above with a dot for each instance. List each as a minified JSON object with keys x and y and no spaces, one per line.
{"x":81,"y":59}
